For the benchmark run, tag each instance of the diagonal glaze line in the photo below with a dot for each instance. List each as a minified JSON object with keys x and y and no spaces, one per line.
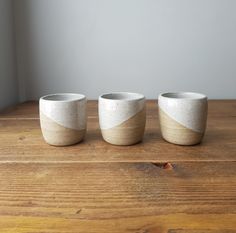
{"x":174,"y":122}
{"x":126,"y":121}
{"x":56,"y":124}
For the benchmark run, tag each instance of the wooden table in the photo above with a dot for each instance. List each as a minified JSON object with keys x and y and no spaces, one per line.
{"x":94,"y":187}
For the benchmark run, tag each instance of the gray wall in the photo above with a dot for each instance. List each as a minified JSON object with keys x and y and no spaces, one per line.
{"x":8,"y":80}
{"x":147,"y":46}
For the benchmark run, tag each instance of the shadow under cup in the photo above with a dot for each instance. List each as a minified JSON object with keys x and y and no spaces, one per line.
{"x":63,"y":118}
{"x":183,"y":117}
{"x":122,"y":117}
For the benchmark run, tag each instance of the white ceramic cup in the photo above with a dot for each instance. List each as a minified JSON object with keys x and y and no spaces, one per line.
{"x":122,"y":117}
{"x":182,"y":117}
{"x":63,"y":118}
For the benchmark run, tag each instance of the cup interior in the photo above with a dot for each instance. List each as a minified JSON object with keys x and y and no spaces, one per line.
{"x":183,"y":95}
{"x":63,"y":97}
{"x":122,"y":96}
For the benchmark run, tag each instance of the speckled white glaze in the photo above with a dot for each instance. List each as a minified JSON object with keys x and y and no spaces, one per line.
{"x":63,"y":118}
{"x":116,"y":108}
{"x":67,"y":110}
{"x":187,"y":108}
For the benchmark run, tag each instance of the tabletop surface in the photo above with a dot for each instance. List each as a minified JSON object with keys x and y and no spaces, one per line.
{"x":95,"y":187}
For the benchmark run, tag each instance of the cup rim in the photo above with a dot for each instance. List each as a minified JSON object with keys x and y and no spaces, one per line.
{"x":133,"y":96}
{"x":71,"y":97}
{"x":183,"y":96}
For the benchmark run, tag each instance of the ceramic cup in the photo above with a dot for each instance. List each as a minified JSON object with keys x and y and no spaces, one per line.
{"x":122,"y":117}
{"x":63,"y":118}
{"x":182,"y":117}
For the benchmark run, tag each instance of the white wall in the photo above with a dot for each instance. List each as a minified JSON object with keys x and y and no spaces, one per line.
{"x":8,"y":80}
{"x":147,"y":46}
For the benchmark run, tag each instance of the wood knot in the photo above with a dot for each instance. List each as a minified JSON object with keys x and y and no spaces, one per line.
{"x":168,"y":166}
{"x":21,"y":138}
{"x":78,"y":211}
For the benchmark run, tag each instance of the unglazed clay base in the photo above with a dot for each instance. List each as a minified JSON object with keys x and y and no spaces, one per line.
{"x":174,"y":132}
{"x":58,"y":135}
{"x":63,"y":118}
{"x":122,"y":117}
{"x":183,"y":117}
{"x":129,"y":132}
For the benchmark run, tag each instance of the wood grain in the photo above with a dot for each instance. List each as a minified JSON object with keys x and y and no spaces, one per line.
{"x":21,"y":139}
{"x":117,"y":197}
{"x":95,"y":187}
{"x":201,"y":231}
